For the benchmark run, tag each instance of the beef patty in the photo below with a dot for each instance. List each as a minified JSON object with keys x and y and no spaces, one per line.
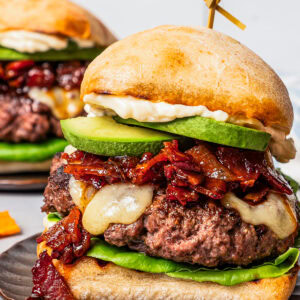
{"x":23,"y":119}
{"x":204,"y":233}
{"x":57,"y":196}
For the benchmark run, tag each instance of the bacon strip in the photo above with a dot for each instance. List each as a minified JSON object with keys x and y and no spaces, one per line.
{"x":67,"y":238}
{"x":47,"y":282}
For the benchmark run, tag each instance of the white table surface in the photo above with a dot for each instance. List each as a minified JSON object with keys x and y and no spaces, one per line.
{"x":25,"y":209}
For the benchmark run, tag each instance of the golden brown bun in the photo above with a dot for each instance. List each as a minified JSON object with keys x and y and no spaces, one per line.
{"x":60,"y":17}
{"x":191,"y":66}
{"x":88,"y":280}
{"x":9,"y":167}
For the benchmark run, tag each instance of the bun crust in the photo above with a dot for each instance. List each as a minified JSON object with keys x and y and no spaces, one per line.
{"x":89,"y":280}
{"x":60,"y":17}
{"x":192,"y":66}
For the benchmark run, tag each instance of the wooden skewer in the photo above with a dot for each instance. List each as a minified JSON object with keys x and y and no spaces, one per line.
{"x":213,"y":5}
{"x":212,"y":8}
{"x":211,"y":18}
{"x":230,"y":17}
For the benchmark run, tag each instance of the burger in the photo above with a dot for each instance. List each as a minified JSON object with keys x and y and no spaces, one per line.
{"x":45,"y":47}
{"x":168,"y":188}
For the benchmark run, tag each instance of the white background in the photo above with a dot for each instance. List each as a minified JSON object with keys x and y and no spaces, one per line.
{"x":273,"y":26}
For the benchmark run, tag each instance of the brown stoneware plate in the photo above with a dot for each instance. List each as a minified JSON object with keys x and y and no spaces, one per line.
{"x":15,"y":271}
{"x":23,"y":182}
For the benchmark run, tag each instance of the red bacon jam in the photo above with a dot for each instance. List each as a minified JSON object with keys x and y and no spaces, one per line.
{"x":47,"y":282}
{"x":67,"y":238}
{"x":204,"y":171}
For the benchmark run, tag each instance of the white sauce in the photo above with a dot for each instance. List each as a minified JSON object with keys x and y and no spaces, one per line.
{"x":121,"y":203}
{"x":146,"y":111}
{"x":70,"y":149}
{"x":64,"y":104}
{"x":47,"y":223}
{"x":281,"y":147}
{"x":30,"y":42}
{"x":275,"y":212}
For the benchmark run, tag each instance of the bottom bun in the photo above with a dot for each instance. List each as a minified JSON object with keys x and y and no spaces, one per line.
{"x":10,"y":167}
{"x":88,"y":279}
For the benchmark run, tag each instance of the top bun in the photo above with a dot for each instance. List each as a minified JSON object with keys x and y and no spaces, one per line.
{"x":60,"y":17}
{"x":192,"y":66}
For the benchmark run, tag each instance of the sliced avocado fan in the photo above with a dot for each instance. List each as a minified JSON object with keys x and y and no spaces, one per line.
{"x":210,"y":130}
{"x":104,"y":136}
{"x":70,"y":53}
{"x":31,"y":152}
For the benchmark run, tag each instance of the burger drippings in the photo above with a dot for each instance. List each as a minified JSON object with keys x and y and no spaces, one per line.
{"x":203,"y":171}
{"x":67,"y":238}
{"x":47,"y":282}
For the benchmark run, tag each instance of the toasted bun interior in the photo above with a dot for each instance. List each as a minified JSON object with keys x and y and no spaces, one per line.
{"x":89,"y":280}
{"x":10,"y":167}
{"x":192,"y":66}
{"x":60,"y":17}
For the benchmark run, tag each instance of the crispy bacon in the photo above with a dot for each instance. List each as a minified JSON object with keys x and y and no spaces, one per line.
{"x":249,"y":165}
{"x":67,"y":238}
{"x":205,"y":169}
{"x":47,"y":282}
{"x":209,"y":164}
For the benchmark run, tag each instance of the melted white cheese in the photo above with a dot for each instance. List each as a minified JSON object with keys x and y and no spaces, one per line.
{"x":46,"y":223}
{"x":120,"y":203}
{"x":275,"y":212}
{"x":64,"y":104}
{"x":145,"y":110}
{"x":70,"y":149}
{"x":30,"y":42}
{"x":81,"y":193}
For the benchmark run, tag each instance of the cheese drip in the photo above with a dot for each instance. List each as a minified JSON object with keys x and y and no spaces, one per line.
{"x":275,"y":212}
{"x":121,"y":203}
{"x":64,"y":104}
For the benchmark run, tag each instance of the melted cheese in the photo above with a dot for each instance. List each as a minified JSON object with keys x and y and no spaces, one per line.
{"x":46,"y":223}
{"x":64,"y":104}
{"x":120,"y":203}
{"x":81,"y":193}
{"x":275,"y":212}
{"x":30,"y":42}
{"x":145,"y":110}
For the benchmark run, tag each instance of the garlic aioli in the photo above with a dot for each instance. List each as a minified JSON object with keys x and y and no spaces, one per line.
{"x":30,"y":42}
{"x":145,"y":110}
{"x":142,"y":110}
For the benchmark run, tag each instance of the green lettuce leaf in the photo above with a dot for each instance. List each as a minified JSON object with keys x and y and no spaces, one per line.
{"x":230,"y":276}
{"x":71,"y":52}
{"x":295,"y":187}
{"x":31,"y":152}
{"x":54,"y":217}
{"x":292,"y":182}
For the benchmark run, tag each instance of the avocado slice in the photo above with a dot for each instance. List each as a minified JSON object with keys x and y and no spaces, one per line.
{"x":104,"y":136}
{"x":211,"y":131}
{"x":72,"y":52}
{"x":31,"y":152}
